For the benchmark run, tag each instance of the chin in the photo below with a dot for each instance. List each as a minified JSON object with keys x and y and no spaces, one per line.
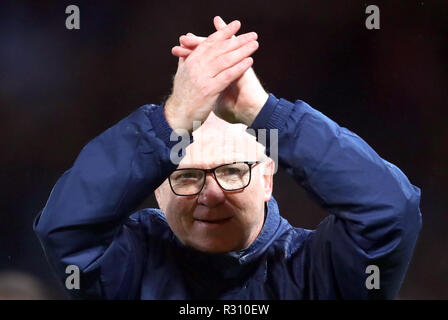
{"x":213,"y":247}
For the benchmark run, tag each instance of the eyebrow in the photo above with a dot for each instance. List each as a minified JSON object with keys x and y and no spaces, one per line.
{"x":203,"y":166}
{"x":215,"y":165}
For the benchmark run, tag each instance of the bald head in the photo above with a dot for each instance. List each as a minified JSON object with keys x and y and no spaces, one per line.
{"x":217,"y":142}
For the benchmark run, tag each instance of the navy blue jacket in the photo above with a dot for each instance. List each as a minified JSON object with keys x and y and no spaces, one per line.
{"x":374,"y":218}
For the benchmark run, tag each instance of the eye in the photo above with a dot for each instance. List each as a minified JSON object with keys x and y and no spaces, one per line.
{"x":232,"y":171}
{"x":187,"y":176}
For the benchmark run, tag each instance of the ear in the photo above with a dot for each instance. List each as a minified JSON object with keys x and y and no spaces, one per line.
{"x":268,"y":177}
{"x":158,"y":193}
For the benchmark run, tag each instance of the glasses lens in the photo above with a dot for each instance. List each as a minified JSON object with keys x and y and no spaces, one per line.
{"x":186,"y":182}
{"x":233,"y":176}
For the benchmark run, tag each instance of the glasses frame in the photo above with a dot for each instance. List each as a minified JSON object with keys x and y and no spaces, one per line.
{"x":251,"y":164}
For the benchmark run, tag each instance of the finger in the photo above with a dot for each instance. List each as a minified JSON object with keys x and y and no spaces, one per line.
{"x":237,"y":42}
{"x":180,"y":51}
{"x":234,"y":43}
{"x":227,"y":76}
{"x":189,"y":34}
{"x":229,"y":59}
{"x":225,"y":32}
{"x":219,"y":23}
{"x":190,"y":41}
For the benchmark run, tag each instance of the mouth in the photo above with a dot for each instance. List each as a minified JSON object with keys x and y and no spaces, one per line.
{"x":214,"y":221}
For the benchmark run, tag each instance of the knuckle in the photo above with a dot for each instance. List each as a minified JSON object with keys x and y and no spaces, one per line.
{"x":222,"y":60}
{"x":233,"y":57}
{"x":204,"y":90}
{"x":249,"y":49}
{"x":205,"y":45}
{"x":227,"y":75}
{"x":208,"y":41}
{"x":250,"y":46}
{"x":245,"y":38}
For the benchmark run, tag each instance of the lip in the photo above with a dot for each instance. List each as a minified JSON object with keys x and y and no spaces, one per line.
{"x":213,"y":222}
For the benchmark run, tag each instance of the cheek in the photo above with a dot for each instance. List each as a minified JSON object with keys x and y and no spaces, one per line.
{"x":256,"y":196}
{"x":256,"y":189}
{"x":179,"y":213}
{"x":249,"y":203}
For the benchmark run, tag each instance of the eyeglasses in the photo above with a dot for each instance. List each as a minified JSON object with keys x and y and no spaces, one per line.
{"x":230,"y":177}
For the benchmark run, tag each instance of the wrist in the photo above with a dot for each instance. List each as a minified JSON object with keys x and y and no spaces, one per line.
{"x":174,"y":118}
{"x":253,"y":108}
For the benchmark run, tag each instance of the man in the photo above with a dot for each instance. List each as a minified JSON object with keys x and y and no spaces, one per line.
{"x":219,"y":234}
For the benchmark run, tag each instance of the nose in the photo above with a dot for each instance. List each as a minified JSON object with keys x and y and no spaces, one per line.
{"x":211,"y":195}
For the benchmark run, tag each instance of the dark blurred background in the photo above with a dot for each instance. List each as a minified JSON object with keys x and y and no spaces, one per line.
{"x":60,"y":88}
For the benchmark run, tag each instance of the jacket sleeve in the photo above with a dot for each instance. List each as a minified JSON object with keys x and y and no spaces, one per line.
{"x":374,"y":210}
{"x":86,"y":220}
